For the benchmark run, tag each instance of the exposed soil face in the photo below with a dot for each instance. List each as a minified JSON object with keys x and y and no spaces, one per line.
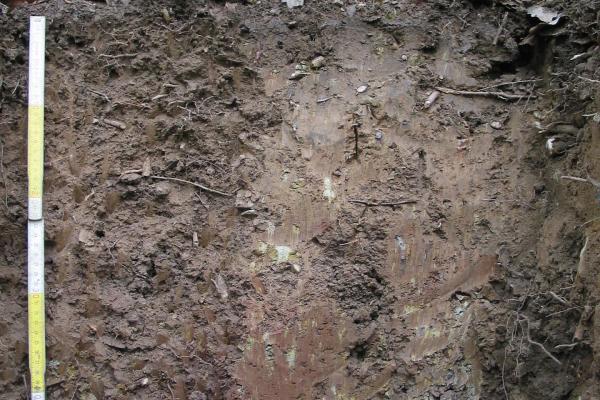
{"x":356,"y":244}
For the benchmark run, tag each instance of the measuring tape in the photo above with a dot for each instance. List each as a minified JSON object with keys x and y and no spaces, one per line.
{"x":35,"y":225}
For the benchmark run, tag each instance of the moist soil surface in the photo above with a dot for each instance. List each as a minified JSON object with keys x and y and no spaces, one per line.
{"x":249,"y":201}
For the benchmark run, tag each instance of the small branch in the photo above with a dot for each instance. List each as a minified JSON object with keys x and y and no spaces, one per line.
{"x":16,"y":87}
{"x":355,"y":127}
{"x":566,"y":346}
{"x":3,"y":175}
{"x":382,"y":204}
{"x":588,"y":79}
{"x":26,"y":387}
{"x":538,"y":344}
{"x":541,"y":346}
{"x":558,"y":298}
{"x":574,"y":178}
{"x":127,"y":55}
{"x":100,"y":94}
{"x":431,"y":99}
{"x":589,"y":222}
{"x":115,"y":124}
{"x":511,"y":83}
{"x":500,"y":95}
{"x":500,"y":29}
{"x":76,"y":388}
{"x":171,"y":390}
{"x":131,"y":171}
{"x":562,"y":311}
{"x":89,"y":195}
{"x":206,"y":189}
{"x":583,"y":180}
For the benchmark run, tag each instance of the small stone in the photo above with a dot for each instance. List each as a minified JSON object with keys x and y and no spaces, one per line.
{"x":496,"y":125}
{"x":556,"y":146}
{"x":249,"y":214}
{"x":293,"y":3}
{"x":318,"y":62}
{"x":404,"y":57}
{"x":162,"y":189}
{"x":297,"y":75}
{"x":147,"y":167}
{"x":296,"y":268}
{"x":243,"y":200}
{"x":362,"y":88}
{"x":132,"y":318}
{"x":198,"y":396}
{"x":292,"y":24}
{"x":86,"y":237}
{"x":539,"y":188}
{"x":131,"y":178}
{"x":378,"y":135}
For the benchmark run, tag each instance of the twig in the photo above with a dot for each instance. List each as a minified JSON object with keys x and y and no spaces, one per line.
{"x":127,"y":55}
{"x":566,"y":346}
{"x":112,"y":246}
{"x":89,"y":195}
{"x":538,"y":344}
{"x":503,"y":383}
{"x":3,"y":174}
{"x":562,"y":311}
{"x":558,"y":298}
{"x":527,"y":102}
{"x":16,"y":87}
{"x":100,"y":94}
{"x":541,"y":346}
{"x":574,"y":178}
{"x":135,"y":273}
{"x":115,"y":124}
{"x":130,"y":171}
{"x":355,"y":127}
{"x":26,"y":387}
{"x":206,"y":189}
{"x":500,"y":29}
{"x":201,"y":201}
{"x":382,"y":204}
{"x":589,"y":222}
{"x":76,"y":388}
{"x":171,"y":390}
{"x":500,"y":95}
{"x":584,"y":180}
{"x":588,"y":79}
{"x":431,"y":99}
{"x":159,"y":96}
{"x":511,"y":83}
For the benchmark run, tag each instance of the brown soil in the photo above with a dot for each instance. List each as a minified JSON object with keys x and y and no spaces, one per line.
{"x":311,"y":281}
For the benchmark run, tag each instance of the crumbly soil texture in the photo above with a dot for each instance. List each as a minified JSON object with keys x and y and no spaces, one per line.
{"x":256,"y":200}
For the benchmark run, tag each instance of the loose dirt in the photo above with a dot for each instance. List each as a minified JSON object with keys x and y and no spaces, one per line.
{"x":355,"y":244}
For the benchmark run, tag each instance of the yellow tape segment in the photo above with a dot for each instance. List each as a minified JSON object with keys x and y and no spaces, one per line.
{"x":35,"y":151}
{"x":37,"y":346}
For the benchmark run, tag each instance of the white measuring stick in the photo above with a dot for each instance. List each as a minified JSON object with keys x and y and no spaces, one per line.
{"x":35,"y":226}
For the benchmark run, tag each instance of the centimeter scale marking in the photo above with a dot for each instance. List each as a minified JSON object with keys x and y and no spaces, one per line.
{"x":35,"y":224}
